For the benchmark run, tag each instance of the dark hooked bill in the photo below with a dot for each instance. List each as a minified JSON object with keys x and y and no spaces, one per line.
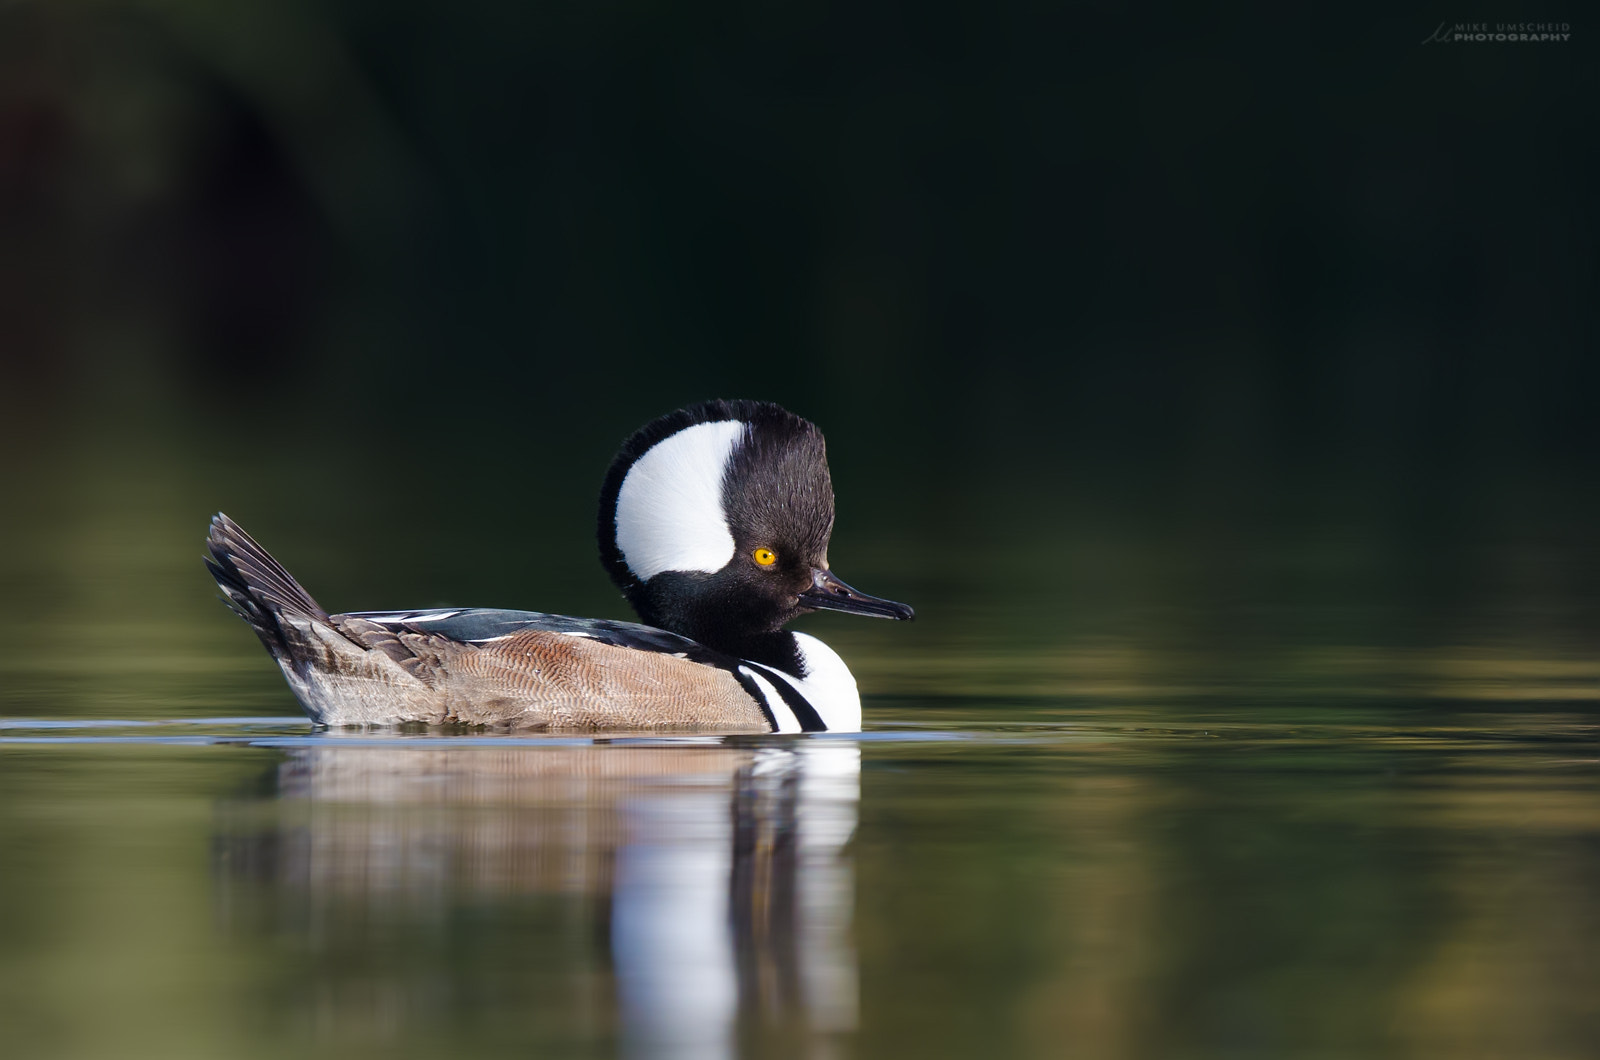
{"x":828,"y":593}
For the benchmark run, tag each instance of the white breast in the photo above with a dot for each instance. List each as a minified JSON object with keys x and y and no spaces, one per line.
{"x":828,"y":686}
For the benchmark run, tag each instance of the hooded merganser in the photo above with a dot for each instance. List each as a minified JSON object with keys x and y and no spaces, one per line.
{"x":714,"y":523}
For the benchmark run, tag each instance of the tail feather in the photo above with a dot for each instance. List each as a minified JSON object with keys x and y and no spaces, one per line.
{"x":256,"y":586}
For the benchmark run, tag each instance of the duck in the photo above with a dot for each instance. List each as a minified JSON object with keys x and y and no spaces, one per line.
{"x":714,"y":522}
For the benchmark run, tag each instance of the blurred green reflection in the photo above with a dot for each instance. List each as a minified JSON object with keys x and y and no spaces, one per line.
{"x":1018,"y":889}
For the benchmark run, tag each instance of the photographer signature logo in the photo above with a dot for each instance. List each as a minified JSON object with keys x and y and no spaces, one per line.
{"x":1500,"y":32}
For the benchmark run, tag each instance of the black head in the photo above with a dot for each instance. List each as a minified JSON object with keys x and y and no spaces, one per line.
{"x":715,"y":520}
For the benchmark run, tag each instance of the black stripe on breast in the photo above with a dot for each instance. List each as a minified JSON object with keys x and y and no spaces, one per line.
{"x":753,"y":690}
{"x":804,"y":712}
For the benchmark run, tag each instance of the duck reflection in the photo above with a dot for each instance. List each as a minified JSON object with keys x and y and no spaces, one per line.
{"x":717,"y":872}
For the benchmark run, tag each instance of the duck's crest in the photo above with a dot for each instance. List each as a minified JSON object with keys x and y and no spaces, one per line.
{"x":665,"y":503}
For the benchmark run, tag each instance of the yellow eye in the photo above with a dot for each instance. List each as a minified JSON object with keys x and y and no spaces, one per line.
{"x":764,"y":556}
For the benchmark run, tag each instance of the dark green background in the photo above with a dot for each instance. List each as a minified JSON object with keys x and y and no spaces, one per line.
{"x":1281,"y":320}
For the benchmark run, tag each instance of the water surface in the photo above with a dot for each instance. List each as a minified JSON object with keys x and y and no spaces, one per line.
{"x":1338,"y":796}
{"x":1035,"y":885}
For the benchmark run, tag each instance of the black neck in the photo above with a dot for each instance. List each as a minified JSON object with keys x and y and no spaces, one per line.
{"x":724,"y":618}
{"x":778,"y":650}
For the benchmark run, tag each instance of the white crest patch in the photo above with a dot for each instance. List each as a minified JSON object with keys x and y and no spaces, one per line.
{"x":669,"y":508}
